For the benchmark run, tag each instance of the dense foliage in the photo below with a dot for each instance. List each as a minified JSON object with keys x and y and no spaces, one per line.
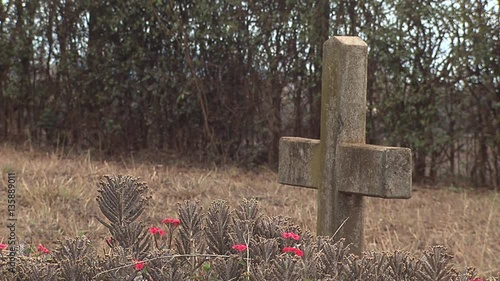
{"x":227,"y":79}
{"x":221,"y":244}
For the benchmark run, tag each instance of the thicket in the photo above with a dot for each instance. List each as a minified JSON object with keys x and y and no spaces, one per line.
{"x":226,"y":79}
{"x":221,"y":244}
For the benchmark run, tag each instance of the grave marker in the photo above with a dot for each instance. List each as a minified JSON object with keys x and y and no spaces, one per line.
{"x":340,"y":165}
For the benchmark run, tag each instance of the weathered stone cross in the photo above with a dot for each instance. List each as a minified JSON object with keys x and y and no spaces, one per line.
{"x":340,"y":165}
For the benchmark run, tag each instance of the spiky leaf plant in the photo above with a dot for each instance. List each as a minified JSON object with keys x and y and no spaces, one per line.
{"x":435,"y":265}
{"x":217,"y":228}
{"x":228,"y":268}
{"x":162,"y":265}
{"x":116,"y":266}
{"x":122,"y":200}
{"x":76,"y":258}
{"x":35,"y":269}
{"x":331,"y":256}
{"x":286,"y":267}
{"x":190,"y":235}
{"x":402,"y":266}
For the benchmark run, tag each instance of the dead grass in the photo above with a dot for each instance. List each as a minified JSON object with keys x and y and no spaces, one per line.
{"x":56,"y":199}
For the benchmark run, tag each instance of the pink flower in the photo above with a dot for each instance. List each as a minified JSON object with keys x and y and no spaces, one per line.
{"x":174,"y":222}
{"x":290,"y":235}
{"x":239,"y":247}
{"x":42,"y":249}
{"x":155,"y":230}
{"x":138,"y":265}
{"x":476,"y":279}
{"x":294,"y":250}
{"x":3,"y":246}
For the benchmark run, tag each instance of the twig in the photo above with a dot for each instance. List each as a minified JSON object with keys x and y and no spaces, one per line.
{"x":168,"y":256}
{"x":338,"y":229}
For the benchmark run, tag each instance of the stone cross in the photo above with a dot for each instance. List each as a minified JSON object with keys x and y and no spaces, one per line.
{"x":340,"y":165}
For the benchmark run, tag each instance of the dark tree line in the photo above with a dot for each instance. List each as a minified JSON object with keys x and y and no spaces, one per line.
{"x":227,"y":79}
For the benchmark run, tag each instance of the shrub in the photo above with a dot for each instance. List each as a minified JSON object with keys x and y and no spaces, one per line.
{"x":221,"y":244}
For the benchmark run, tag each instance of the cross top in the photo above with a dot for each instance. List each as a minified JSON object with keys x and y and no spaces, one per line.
{"x":341,"y":166}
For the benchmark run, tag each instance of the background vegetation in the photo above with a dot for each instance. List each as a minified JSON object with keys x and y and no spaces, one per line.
{"x":226,"y":79}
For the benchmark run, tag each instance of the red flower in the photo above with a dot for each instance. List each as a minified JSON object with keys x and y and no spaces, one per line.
{"x":299,"y":252}
{"x":138,"y":265}
{"x":3,"y":246}
{"x":294,"y":250}
{"x":290,"y":235}
{"x":174,"y":222}
{"x":240,"y":247}
{"x":42,"y":249}
{"x":155,"y":230}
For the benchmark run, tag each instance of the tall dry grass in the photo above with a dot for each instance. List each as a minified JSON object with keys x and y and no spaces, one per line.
{"x":56,"y":200}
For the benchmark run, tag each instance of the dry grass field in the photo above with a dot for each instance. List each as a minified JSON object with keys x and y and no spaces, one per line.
{"x":56,"y":199}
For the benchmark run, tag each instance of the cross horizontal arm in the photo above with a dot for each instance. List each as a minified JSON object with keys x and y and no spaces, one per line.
{"x":371,"y":170}
{"x":299,"y":162}
{"x":376,"y":171}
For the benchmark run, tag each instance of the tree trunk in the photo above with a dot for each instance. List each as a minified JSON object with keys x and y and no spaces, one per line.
{"x":419,"y":159}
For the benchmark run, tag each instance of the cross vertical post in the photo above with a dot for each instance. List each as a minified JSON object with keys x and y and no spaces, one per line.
{"x":343,"y":109}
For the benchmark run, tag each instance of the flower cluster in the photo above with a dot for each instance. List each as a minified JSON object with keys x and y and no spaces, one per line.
{"x":170,"y":221}
{"x":239,"y":247}
{"x":139,"y":265}
{"x":42,"y":249}
{"x":286,"y":235}
{"x":294,"y":250}
{"x":156,"y":230}
{"x":290,"y":235}
{"x":172,"y":224}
